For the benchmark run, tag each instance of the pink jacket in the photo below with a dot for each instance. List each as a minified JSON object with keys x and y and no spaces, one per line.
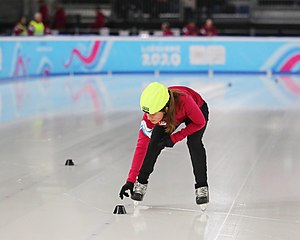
{"x":191,"y":103}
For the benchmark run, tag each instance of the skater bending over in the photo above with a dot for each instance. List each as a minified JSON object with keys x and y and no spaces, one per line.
{"x":164,"y":110}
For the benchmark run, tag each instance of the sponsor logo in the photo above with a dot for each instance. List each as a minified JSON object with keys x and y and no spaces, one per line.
{"x":202,"y":55}
{"x":145,"y":109}
{"x":162,"y":56}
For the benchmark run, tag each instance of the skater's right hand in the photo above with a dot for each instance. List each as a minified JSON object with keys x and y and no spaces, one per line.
{"x":126,"y":186}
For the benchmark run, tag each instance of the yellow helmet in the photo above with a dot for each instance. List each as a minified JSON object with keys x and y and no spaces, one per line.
{"x":154,"y":97}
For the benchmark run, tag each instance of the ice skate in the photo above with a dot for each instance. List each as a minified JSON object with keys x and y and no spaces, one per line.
{"x":202,"y":197}
{"x":139,"y":190}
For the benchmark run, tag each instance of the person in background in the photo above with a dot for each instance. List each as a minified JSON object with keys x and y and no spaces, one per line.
{"x":36,"y":26}
{"x":166,"y":31}
{"x":208,"y":29}
{"x":21,"y":29}
{"x":59,"y":21}
{"x":190,"y":29}
{"x":99,"y":20}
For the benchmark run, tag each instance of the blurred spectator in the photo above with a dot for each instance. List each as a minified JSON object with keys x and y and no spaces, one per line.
{"x":190,"y":29}
{"x":100,"y":19}
{"x":43,"y":9}
{"x":166,"y":31}
{"x":208,"y":29}
{"x":36,"y":26}
{"x":59,"y":21}
{"x":21,"y":29}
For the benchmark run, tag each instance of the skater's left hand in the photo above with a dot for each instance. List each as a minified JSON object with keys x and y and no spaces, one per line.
{"x":166,"y":142}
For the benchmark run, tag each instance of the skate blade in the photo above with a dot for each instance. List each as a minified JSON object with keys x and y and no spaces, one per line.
{"x":203,"y":207}
{"x":137,"y":197}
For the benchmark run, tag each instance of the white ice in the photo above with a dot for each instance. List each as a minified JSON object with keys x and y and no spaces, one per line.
{"x":252,"y":143}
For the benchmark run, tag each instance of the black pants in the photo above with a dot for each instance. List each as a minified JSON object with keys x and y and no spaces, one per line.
{"x":195,"y":146}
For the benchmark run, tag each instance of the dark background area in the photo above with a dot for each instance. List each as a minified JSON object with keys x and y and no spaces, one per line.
{"x":231,"y":17}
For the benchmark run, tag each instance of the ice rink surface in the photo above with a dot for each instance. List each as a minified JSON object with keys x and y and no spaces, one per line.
{"x":252,"y":143}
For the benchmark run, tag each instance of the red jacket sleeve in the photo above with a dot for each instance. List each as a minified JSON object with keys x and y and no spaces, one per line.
{"x":141,"y":149}
{"x":193,"y":112}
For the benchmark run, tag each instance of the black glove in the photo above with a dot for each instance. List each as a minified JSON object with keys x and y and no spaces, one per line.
{"x":126,"y":186}
{"x":166,"y":142}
